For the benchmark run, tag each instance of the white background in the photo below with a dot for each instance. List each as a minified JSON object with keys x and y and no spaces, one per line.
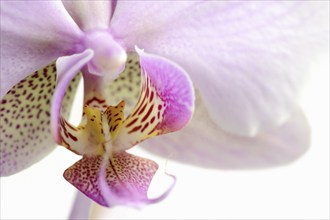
{"x":296,"y":191}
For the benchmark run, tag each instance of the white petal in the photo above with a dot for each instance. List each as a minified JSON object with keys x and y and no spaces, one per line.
{"x":203,"y":143}
{"x":247,"y":58}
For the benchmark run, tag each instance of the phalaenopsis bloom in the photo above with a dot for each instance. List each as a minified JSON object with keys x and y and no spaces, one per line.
{"x":222,"y":75}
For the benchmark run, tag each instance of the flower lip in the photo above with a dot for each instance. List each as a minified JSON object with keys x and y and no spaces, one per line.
{"x":109,"y":59}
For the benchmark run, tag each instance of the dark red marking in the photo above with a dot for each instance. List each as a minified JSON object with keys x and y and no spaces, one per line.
{"x":148,"y":113}
{"x":135,"y":129}
{"x":137,"y":110}
{"x":131,"y":123}
{"x":70,"y":126}
{"x":147,"y":86}
{"x":143,"y":108}
{"x":151,"y":96}
{"x":66,"y":143}
{"x":38,"y":114}
{"x":72,"y":137}
{"x":145,"y":126}
{"x":29,"y":96}
{"x":100,"y":101}
{"x":114,"y":128}
{"x":154,"y":129}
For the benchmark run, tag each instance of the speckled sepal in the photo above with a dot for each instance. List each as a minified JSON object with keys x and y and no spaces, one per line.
{"x":25,"y":119}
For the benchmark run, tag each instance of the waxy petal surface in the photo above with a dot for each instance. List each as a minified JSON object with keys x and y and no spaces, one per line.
{"x":248,"y":58}
{"x":203,"y":143}
{"x":127,"y":176}
{"x":33,"y":34}
{"x":25,"y":120}
{"x":166,"y":102}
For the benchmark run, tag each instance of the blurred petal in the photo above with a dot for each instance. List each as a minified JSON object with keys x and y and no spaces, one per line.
{"x":166,"y":102}
{"x":81,"y":207}
{"x":127,"y":177}
{"x":33,"y":33}
{"x":90,"y":15}
{"x":25,"y":120}
{"x":247,"y":58}
{"x":67,"y":68}
{"x":203,"y":143}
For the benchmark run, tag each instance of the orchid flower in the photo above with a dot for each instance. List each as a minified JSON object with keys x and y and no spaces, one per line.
{"x":141,"y":65}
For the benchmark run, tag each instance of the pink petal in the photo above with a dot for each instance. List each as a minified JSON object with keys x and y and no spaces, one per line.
{"x":166,"y":102}
{"x":67,"y":68}
{"x":25,"y":120}
{"x":127,"y":177}
{"x":247,"y":58}
{"x":33,"y":33}
{"x":90,"y":15}
{"x":173,"y":85}
{"x":203,"y":143}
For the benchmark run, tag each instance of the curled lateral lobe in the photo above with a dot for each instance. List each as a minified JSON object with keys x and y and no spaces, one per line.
{"x":67,"y":68}
{"x":172,"y":85}
{"x":165,"y":104}
{"x":25,"y":119}
{"x":127,"y":176}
